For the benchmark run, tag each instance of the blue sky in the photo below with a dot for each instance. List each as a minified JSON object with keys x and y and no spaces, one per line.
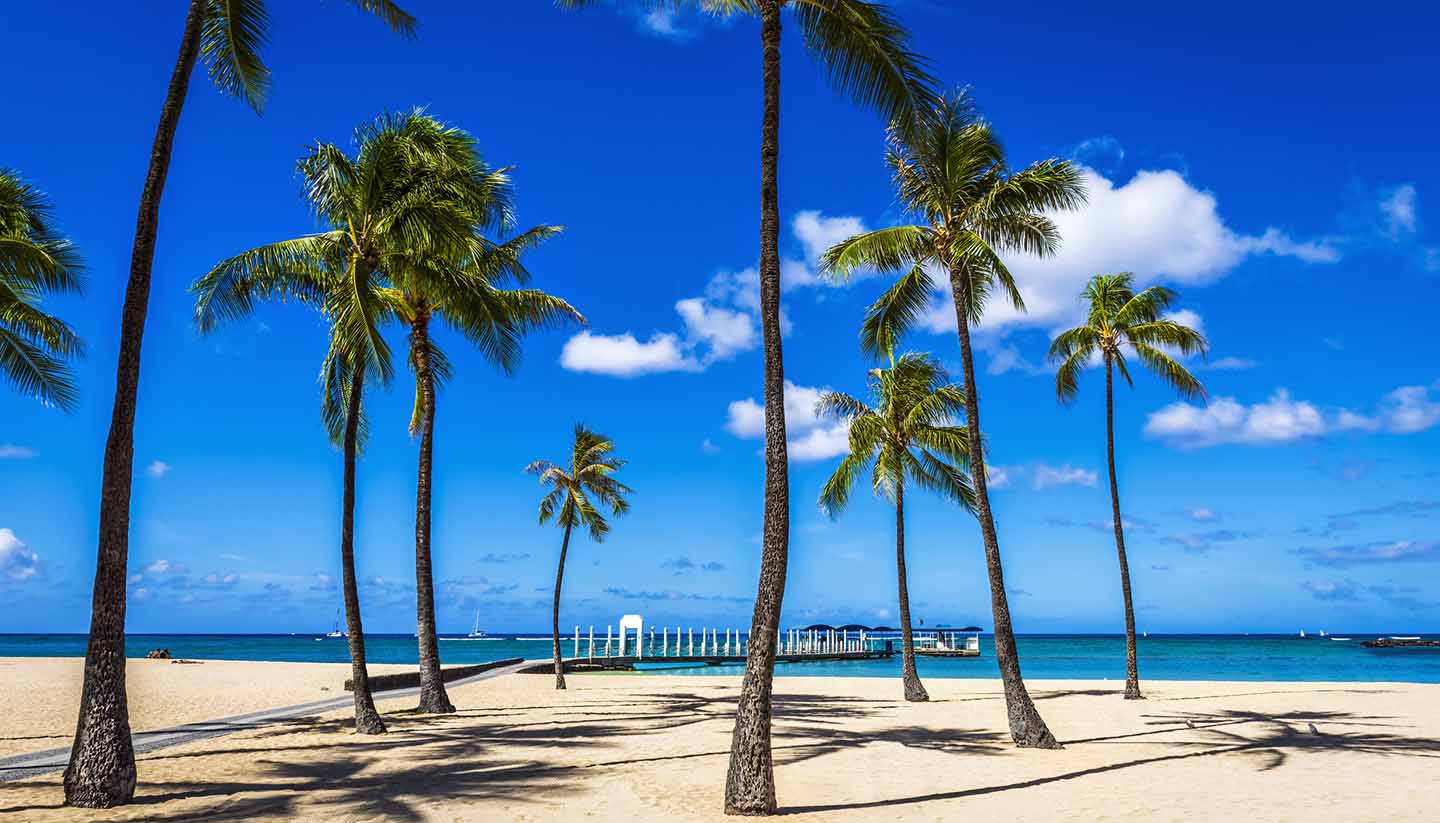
{"x":1276,"y":165}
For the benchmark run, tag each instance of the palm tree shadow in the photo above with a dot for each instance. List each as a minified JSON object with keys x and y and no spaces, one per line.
{"x":1274,"y":739}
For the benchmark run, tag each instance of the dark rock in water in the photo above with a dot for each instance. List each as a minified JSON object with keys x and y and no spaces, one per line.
{"x":159,"y":654}
{"x":1391,"y":643}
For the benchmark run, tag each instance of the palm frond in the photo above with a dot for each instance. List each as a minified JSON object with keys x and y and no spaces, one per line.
{"x":231,"y":39}
{"x":1170,"y":371}
{"x":896,"y":311}
{"x":867,"y":54}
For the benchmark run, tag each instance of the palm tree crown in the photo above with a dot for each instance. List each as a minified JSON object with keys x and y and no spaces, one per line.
{"x":950,"y":173}
{"x":591,"y":473}
{"x":1119,"y":321}
{"x":906,"y":435}
{"x":35,"y":260}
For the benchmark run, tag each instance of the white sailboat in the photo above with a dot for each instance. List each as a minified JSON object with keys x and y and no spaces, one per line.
{"x":476,"y":633}
{"x":335,"y":631}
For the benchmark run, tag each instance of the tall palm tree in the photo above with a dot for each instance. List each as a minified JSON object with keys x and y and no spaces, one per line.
{"x":35,"y":260}
{"x":950,"y":173}
{"x":386,"y":207}
{"x":907,"y":434}
{"x":866,"y":52}
{"x":591,"y":472}
{"x":229,"y":35}
{"x":463,"y":295}
{"x":1118,"y":320}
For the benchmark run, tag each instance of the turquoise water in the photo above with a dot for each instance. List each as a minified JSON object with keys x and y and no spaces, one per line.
{"x":1080,"y":657}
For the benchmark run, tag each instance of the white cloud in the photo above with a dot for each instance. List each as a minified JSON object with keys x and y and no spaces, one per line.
{"x":10,"y":451}
{"x":1047,"y":476}
{"x":723,"y":330}
{"x":817,"y":233}
{"x":1187,"y":317}
{"x":1228,"y":364}
{"x":163,"y":566}
{"x":998,"y":477}
{"x":661,"y":22}
{"x":708,"y":447}
{"x":719,"y":324}
{"x":621,"y":355}
{"x":1399,"y":210}
{"x":1281,"y":419}
{"x":811,"y":437}
{"x":1202,"y":514}
{"x":17,"y":561}
{"x":157,"y":468}
{"x":1172,"y":231}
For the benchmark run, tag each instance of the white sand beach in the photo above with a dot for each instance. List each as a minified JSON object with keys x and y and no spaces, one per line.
{"x":636,"y":747}
{"x":41,"y":695}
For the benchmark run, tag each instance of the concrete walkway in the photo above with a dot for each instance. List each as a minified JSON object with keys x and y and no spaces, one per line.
{"x":20,"y":766}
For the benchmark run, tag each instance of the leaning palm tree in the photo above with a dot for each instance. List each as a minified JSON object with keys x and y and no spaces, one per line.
{"x":591,"y":473}
{"x":1118,"y":320}
{"x":35,"y":260}
{"x":907,"y":434}
{"x":386,"y":207}
{"x":866,"y":52}
{"x":950,"y":173}
{"x":230,"y":36}
{"x":462,"y":293}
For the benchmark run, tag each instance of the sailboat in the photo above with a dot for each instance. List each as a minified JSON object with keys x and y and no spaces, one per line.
{"x":335,"y":631}
{"x":476,"y":633}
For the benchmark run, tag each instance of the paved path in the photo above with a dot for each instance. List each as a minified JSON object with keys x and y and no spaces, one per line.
{"x":21,"y":766}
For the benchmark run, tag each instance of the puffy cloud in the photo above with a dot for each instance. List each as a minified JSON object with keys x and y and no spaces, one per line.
{"x":621,"y":355}
{"x":1047,"y":476}
{"x":10,"y":451}
{"x":683,"y":564}
{"x":163,"y":566}
{"x":1282,"y":419}
{"x":719,"y":324}
{"x":998,"y":477}
{"x":1227,"y":364}
{"x":157,"y":468}
{"x":17,"y":561}
{"x":1224,"y":420}
{"x":1173,"y":233}
{"x":1385,"y":552}
{"x":503,"y":557}
{"x":1202,"y":514}
{"x":1203,"y":542}
{"x":323,"y":583}
{"x":811,"y":437}
{"x":662,"y":22}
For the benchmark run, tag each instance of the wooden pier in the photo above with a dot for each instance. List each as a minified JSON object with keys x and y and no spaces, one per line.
{"x":632,"y":647}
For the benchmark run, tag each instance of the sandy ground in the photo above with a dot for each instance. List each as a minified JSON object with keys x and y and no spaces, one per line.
{"x":636,"y":748}
{"x":40,"y":696}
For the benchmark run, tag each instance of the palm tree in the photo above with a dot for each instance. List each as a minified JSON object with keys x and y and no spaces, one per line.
{"x":950,"y":173}
{"x":230,"y":37}
{"x":462,"y":294}
{"x":390,"y":205}
{"x":866,"y":52}
{"x":591,"y":472}
{"x":35,"y":260}
{"x":1119,"y":319}
{"x":907,"y":434}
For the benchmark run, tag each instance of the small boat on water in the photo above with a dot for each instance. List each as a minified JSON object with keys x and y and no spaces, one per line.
{"x":1404,"y":637}
{"x":477,"y":633}
{"x":1332,"y":637}
{"x":335,"y":630}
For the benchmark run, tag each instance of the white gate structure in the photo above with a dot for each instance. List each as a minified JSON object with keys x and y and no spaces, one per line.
{"x":636,"y":622}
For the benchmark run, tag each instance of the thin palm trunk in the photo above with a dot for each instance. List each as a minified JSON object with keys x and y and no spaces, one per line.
{"x":1132,"y":669}
{"x":1026,"y":726}
{"x":914,"y":689}
{"x":433,"y":698}
{"x":367,"y":719}
{"x":555,"y":610}
{"x":101,"y":771}
{"x":750,"y":780}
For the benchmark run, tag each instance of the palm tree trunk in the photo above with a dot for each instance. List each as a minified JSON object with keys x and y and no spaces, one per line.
{"x":555,"y":610}
{"x":101,"y":772}
{"x":433,"y":698}
{"x":750,"y":780}
{"x":367,"y":719}
{"x":1132,"y":669}
{"x":914,"y":689}
{"x":1026,"y":726}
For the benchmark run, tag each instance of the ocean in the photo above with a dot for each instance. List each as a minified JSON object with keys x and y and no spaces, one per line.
{"x":1042,"y":656}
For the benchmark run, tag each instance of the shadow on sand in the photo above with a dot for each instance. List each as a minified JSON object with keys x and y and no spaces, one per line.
{"x":480,"y":755}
